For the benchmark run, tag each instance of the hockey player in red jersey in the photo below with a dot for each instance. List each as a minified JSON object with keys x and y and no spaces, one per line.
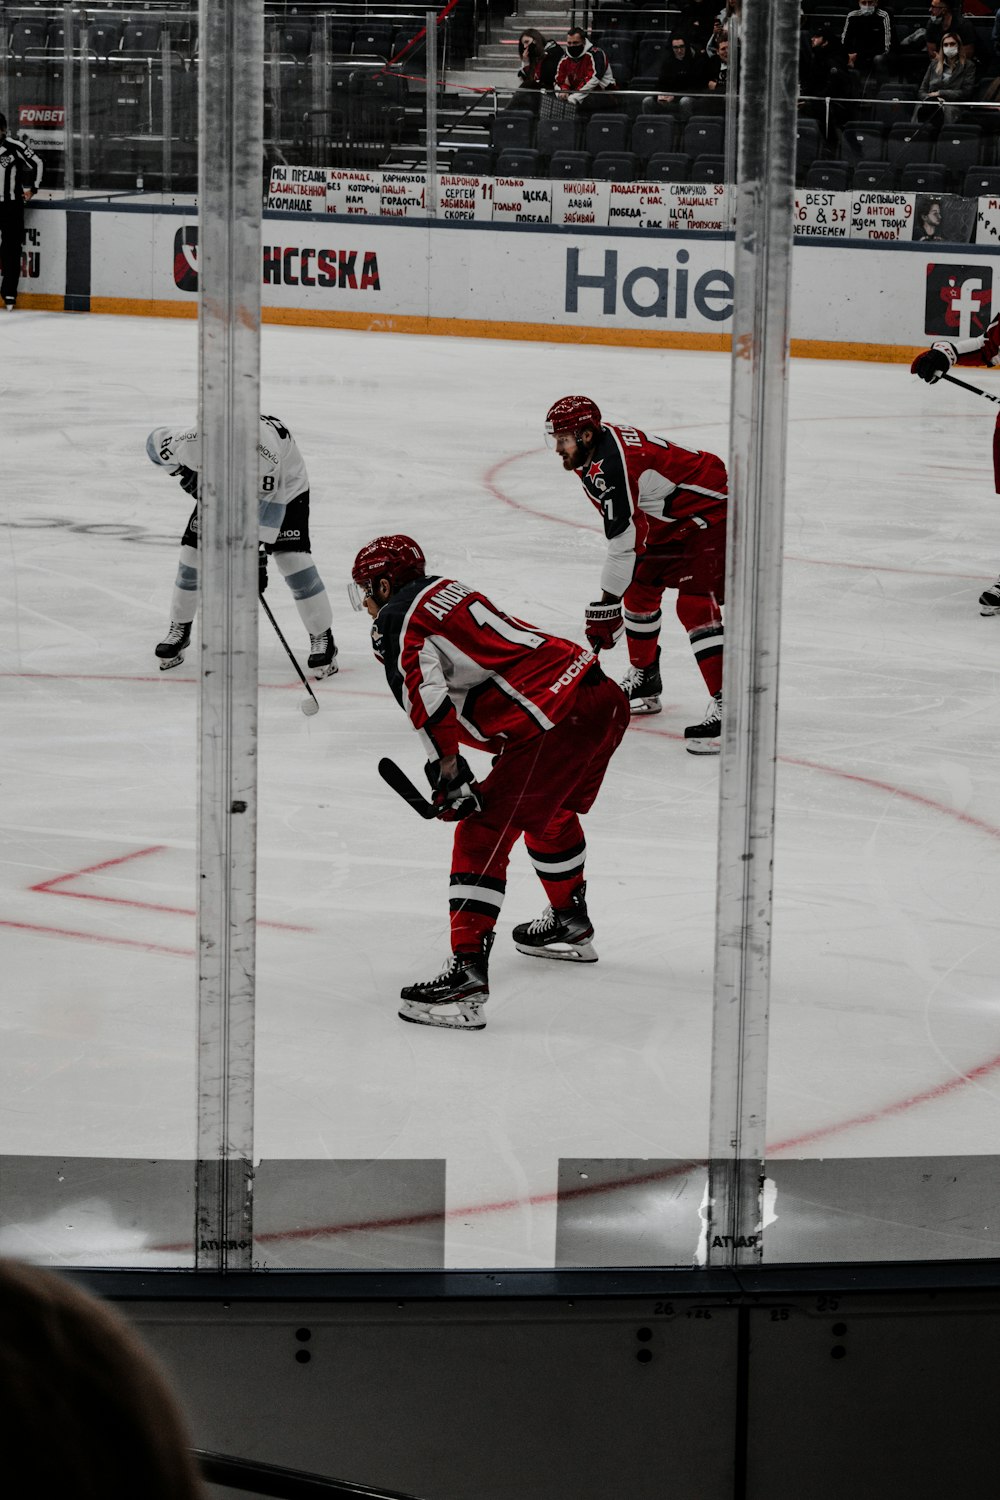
{"x":664,"y":514}
{"x":937,"y":361}
{"x":468,"y":674}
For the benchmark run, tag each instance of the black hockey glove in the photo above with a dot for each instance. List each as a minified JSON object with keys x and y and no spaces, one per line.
{"x":188,"y":480}
{"x":934,"y":362}
{"x":261,"y":571}
{"x":458,"y":797}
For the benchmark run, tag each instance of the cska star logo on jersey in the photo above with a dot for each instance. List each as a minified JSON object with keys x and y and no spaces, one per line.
{"x":595,"y":475}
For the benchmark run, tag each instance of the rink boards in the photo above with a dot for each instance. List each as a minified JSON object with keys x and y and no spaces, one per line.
{"x":665,"y":288}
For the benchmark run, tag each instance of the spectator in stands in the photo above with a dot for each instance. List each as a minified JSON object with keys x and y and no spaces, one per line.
{"x":537,"y":72}
{"x":583,"y":76}
{"x":87,"y":1412}
{"x":946,"y":15}
{"x":949,"y":81}
{"x":867,"y":39}
{"x":826,"y":83}
{"x":681,"y":78}
{"x":716,"y":80}
{"x":695,"y":21}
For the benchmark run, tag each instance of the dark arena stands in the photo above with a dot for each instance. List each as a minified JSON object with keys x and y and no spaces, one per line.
{"x":345,"y":85}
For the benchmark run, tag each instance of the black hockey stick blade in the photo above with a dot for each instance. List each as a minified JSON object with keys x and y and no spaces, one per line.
{"x":401,"y":784}
{"x":976,"y":390}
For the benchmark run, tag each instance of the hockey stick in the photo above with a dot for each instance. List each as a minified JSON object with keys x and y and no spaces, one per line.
{"x":975,"y":389}
{"x":401,"y":783}
{"x":288,"y":650}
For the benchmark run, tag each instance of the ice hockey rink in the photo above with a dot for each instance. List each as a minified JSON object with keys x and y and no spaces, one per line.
{"x":573,"y":1130}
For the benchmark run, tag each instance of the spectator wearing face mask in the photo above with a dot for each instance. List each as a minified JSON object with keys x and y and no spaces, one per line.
{"x":949,"y":81}
{"x":584,"y":74}
{"x":946,"y":15}
{"x":867,"y":38}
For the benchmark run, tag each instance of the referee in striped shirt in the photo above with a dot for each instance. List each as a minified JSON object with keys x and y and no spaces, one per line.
{"x":20,"y":174}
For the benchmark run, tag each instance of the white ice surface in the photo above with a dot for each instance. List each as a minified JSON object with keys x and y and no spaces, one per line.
{"x":884,"y":1026}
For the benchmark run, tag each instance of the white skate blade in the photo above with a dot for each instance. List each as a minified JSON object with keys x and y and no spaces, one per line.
{"x":703,"y":747}
{"x":989,"y":609}
{"x":467,"y":1016}
{"x":579,"y":953}
{"x":166,"y":662}
{"x":320,"y":672}
{"x":649,"y":705}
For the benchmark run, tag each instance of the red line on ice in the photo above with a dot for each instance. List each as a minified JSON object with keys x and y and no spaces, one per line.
{"x":47,"y":887}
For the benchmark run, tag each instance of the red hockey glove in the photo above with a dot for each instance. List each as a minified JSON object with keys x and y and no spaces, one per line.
{"x":934,"y":362}
{"x":603,"y":624}
{"x":456,"y":797}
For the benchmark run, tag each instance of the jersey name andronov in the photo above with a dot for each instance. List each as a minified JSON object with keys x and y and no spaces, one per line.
{"x":467,"y":672}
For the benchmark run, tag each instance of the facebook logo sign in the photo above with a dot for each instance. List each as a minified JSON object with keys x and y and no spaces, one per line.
{"x":959,"y":300}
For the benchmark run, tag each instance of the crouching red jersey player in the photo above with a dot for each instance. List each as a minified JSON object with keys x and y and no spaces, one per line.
{"x":466,"y":673}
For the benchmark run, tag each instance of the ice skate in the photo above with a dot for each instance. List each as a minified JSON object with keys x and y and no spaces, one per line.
{"x":989,"y":600}
{"x":9,"y":304}
{"x":706,"y":738}
{"x":323,"y":655}
{"x":642,"y":687}
{"x":454,"y":999}
{"x":170,"y":651}
{"x":563,"y":934}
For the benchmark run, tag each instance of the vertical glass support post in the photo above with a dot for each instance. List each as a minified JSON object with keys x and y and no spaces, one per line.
{"x":69,"y":106}
{"x":430,"y":189}
{"x":758,"y":424}
{"x":230,"y":125}
{"x":85,"y":102}
{"x":167,"y":102}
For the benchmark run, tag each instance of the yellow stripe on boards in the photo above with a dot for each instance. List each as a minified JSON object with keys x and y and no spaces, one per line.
{"x":475,"y":328}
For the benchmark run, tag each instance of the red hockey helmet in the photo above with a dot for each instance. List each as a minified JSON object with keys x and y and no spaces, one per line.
{"x":572,"y":414}
{"x":397,"y":558}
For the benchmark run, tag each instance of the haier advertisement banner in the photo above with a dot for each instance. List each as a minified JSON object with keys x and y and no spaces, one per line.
{"x":531,"y":282}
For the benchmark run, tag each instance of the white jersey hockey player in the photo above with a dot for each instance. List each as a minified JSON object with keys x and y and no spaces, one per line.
{"x":283,"y":519}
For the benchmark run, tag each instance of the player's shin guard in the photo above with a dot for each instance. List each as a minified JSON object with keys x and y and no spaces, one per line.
{"x":313,"y":604}
{"x":474,"y":904}
{"x":702,"y":619}
{"x":642,"y":631}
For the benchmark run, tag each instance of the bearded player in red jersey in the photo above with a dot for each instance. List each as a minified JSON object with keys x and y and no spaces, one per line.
{"x":937,"y":361}
{"x":468,"y":674}
{"x":664,"y":513}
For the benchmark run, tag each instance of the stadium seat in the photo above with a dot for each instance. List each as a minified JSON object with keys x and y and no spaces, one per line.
{"x":981,"y":182}
{"x":28,"y":38}
{"x":708,"y":169}
{"x":908,"y":143}
{"x":958,"y":148}
{"x":104,"y":37}
{"x":606,"y":132}
{"x":893,"y":105}
{"x":874,"y":177}
{"x":863,"y":140}
{"x":340,"y":36}
{"x":653,"y":47}
{"x":828,"y":176}
{"x":373,"y":40}
{"x":653,"y":135}
{"x":519,"y":161}
{"x":616,"y":166}
{"x":565,"y":164}
{"x":294,"y":38}
{"x":923,"y":177}
{"x":668,"y":166}
{"x":704,"y":135}
{"x":473,"y":161}
{"x":513,"y":128}
{"x":556,"y":135}
{"x":808,"y":145}
{"x":141,"y":38}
